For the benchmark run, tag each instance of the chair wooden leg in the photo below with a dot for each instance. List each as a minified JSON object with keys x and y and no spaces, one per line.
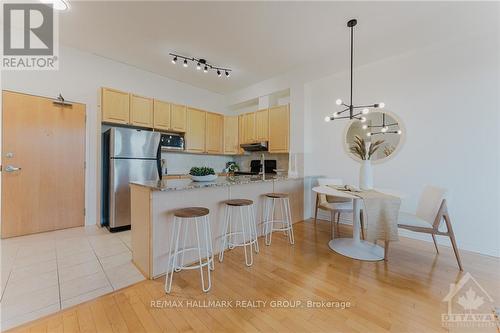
{"x":386,"y":250}
{"x":334,"y":225}
{"x":435,"y":243}
{"x":338,"y":218}
{"x":362,"y":224}
{"x":317,"y":207}
{"x":452,"y":239}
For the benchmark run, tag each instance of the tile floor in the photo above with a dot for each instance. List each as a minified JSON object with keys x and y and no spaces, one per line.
{"x":47,"y":272}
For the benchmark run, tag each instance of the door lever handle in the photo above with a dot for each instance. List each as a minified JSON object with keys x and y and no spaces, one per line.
{"x":10,"y":168}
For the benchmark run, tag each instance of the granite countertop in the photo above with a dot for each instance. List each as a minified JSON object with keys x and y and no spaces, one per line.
{"x":188,"y":184}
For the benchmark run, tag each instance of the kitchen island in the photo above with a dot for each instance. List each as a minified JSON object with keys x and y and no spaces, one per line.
{"x":153,"y":203}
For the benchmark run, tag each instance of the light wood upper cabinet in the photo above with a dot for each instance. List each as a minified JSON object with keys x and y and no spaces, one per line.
{"x":195,"y":131}
{"x":262,"y":125}
{"x":249,"y":127}
{"x":279,"y":129}
{"x":161,"y":115}
{"x":141,"y":111}
{"x":178,"y":118}
{"x":231,"y":133}
{"x":241,"y":132}
{"x":214,"y":133}
{"x":115,"y":106}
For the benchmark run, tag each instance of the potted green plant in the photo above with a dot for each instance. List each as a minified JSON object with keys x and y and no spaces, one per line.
{"x":202,"y":174}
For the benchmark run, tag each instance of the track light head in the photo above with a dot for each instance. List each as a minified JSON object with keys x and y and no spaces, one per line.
{"x":219,"y":73}
{"x":174,"y":60}
{"x":228,"y":73}
{"x":205,"y":69}
{"x":198,"y":66}
{"x":185,"y":64}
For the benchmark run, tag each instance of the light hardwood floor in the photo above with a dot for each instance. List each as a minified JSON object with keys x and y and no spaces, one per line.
{"x":402,"y":295}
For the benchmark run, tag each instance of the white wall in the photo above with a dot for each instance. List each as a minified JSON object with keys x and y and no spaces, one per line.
{"x":447,"y":97}
{"x":79,"y":78}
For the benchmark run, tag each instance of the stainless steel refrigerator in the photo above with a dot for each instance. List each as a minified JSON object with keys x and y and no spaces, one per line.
{"x":128,"y":155}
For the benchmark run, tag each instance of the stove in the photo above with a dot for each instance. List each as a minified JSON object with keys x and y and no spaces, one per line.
{"x":256,"y":168}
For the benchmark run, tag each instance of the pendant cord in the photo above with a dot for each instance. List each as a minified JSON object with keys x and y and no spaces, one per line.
{"x":350,"y":102}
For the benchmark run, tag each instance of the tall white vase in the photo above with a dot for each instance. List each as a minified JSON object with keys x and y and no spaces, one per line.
{"x":366,"y":175}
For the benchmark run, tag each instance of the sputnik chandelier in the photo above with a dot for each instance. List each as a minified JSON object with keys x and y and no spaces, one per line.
{"x":355,"y":111}
{"x":200,"y":64}
{"x":384,"y":128}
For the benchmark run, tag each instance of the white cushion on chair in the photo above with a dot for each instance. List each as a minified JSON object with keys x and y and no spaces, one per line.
{"x":336,"y":205}
{"x":412,"y":220}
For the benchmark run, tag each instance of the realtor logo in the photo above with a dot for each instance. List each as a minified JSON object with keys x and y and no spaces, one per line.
{"x":29,"y":36}
{"x":469,"y":305}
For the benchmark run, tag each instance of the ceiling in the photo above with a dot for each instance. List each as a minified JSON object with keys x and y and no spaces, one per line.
{"x":257,"y":40}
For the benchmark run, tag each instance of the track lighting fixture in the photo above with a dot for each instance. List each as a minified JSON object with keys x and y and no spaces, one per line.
{"x":201,"y":63}
{"x":353,"y":110}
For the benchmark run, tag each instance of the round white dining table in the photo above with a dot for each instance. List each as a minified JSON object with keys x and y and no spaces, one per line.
{"x":354,"y":247}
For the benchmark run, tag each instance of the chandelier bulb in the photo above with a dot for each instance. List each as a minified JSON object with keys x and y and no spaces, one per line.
{"x":384,"y":129}
{"x":368,"y":134}
{"x":328,"y":118}
{"x":335,"y":115}
{"x":399,"y":132}
{"x":381,"y":105}
{"x":365,"y":111}
{"x":364,"y":127}
{"x":338,"y":101}
{"x":363,"y":119}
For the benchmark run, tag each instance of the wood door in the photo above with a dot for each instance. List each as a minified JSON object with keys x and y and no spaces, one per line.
{"x":262,"y":125}
{"x":47,"y":142}
{"x":214,"y":133}
{"x":279,"y":129}
{"x":115,"y":106}
{"x":161,"y":115}
{"x":178,"y":118}
{"x":195,"y":134}
{"x":231,"y":146}
{"x":249,"y":125}
{"x":141,"y":111}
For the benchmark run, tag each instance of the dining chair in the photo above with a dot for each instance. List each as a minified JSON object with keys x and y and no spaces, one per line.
{"x":431,"y":212}
{"x":335,"y":205}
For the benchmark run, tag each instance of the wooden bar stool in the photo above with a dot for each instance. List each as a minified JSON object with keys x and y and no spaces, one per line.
{"x":183,"y":221}
{"x":245,"y":209}
{"x":283,"y":201}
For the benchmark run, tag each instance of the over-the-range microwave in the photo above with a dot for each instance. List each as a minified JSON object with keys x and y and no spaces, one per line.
{"x":172,"y":141}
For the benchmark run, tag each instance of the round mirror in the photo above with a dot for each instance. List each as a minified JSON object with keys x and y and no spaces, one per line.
{"x":380,"y":133}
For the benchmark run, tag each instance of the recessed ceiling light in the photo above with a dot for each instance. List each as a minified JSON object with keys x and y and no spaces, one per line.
{"x":57,"y":4}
